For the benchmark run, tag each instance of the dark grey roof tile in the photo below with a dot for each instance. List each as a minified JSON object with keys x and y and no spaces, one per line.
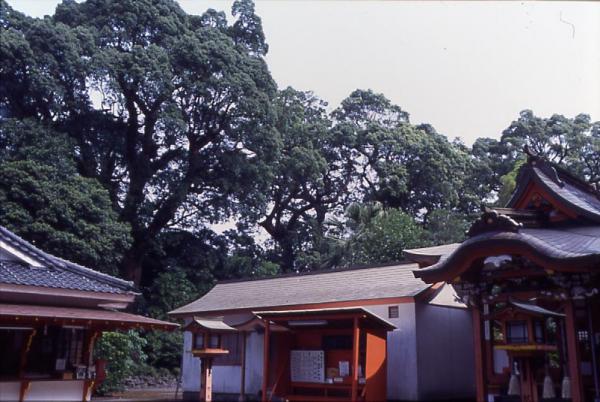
{"x":56,"y":272}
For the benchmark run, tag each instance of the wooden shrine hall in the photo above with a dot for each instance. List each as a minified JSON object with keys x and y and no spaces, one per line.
{"x":530,"y":274}
{"x":52,"y":311}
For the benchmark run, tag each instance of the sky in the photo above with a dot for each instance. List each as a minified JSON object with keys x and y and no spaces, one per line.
{"x":467,"y":68}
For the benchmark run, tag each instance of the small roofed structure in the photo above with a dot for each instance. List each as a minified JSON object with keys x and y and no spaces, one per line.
{"x":328,"y":369}
{"x":531,"y":268}
{"x":52,"y":311}
{"x":207,"y":344}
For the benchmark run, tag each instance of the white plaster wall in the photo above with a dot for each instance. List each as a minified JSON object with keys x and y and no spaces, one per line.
{"x":71,"y":390}
{"x":445,"y":353}
{"x":226,"y":379}
{"x":402,"y":362}
{"x":254,"y":362}
{"x":190,"y":365}
{"x":9,"y":391}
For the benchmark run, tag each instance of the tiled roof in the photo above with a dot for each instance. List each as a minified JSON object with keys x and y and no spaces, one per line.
{"x":565,"y":246}
{"x":322,"y":287}
{"x":55,"y":272}
{"x":571,"y":191}
{"x":17,"y":273}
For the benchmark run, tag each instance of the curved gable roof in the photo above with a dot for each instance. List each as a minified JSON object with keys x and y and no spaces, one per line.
{"x":562,"y":249}
{"x":578,"y":196}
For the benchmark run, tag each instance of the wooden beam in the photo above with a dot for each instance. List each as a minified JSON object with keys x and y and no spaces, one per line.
{"x":24,"y":351}
{"x":88,"y":386}
{"x":24,"y":389}
{"x":355,"y":355}
{"x":265,"y":380}
{"x":573,"y":353}
{"x":206,"y":379}
{"x":478,"y":340}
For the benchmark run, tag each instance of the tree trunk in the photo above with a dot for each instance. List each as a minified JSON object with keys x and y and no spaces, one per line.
{"x":131,"y":265}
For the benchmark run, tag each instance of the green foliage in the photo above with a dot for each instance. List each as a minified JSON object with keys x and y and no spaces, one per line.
{"x":445,"y":227}
{"x":509,"y":183}
{"x":123,"y":353}
{"x":171,"y":289}
{"x":164,"y":349}
{"x":45,"y":201}
{"x":372,"y":234}
{"x":404,"y":166}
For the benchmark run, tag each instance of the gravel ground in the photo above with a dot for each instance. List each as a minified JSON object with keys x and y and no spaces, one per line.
{"x":139,"y":395}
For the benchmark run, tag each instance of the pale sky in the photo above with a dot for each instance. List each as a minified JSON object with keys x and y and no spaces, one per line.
{"x":467,"y":68}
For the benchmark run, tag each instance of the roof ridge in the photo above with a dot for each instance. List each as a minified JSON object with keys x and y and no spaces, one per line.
{"x":317,"y":272}
{"x":557,"y":171}
{"x":60,"y":263}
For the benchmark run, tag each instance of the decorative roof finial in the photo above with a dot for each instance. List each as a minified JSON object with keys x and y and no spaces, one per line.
{"x":532,"y":157}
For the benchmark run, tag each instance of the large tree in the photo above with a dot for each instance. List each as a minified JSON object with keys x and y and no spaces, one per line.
{"x":413,"y":168}
{"x":572,"y":143}
{"x":170,"y":112}
{"x":311,"y":174}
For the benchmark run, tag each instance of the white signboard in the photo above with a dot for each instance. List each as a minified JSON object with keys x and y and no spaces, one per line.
{"x":307,"y":365}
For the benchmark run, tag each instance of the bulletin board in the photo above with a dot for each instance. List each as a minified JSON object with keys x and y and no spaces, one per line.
{"x":307,"y":366}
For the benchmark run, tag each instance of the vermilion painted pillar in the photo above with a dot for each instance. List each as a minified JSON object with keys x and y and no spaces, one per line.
{"x":265,"y":380}
{"x":573,"y":353}
{"x":355,"y":354}
{"x":479,"y":362}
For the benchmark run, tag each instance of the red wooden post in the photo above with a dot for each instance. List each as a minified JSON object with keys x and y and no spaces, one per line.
{"x":265,"y":380}
{"x":478,"y":347}
{"x":355,"y":354}
{"x":573,"y":353}
{"x":206,"y":379}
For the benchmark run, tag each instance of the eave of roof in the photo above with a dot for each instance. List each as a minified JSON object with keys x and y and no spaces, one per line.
{"x":565,"y":249}
{"x":430,"y":255}
{"x":342,"y":312}
{"x":535,"y":309}
{"x":80,"y":316}
{"x":209,"y":325}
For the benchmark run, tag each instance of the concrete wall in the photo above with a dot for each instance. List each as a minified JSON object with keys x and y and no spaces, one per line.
{"x":445,"y":353}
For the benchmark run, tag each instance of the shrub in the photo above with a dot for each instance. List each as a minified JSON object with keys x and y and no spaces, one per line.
{"x":123,"y":352}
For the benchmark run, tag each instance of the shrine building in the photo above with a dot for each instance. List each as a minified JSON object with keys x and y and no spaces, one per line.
{"x":360,"y":334}
{"x":530,"y":275}
{"x":52,"y":311}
